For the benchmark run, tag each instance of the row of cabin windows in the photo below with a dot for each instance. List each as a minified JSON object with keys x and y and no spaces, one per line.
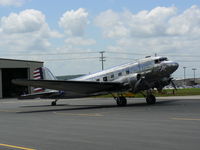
{"x":112,"y":76}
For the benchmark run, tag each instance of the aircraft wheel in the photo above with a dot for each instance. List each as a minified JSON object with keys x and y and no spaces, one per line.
{"x":53,"y":103}
{"x":151,"y":99}
{"x":121,"y":101}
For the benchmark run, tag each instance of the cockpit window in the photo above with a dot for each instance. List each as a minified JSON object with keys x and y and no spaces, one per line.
{"x":163,"y":59}
{"x":157,"y":61}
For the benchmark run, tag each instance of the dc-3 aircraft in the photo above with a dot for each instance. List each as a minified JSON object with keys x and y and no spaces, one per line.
{"x":140,"y":76}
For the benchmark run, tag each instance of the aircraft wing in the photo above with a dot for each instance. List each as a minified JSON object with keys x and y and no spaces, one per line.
{"x":50,"y":94}
{"x":81,"y":87}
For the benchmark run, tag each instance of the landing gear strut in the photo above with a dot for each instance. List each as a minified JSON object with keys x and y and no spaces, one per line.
{"x":54,"y":102}
{"x":121,"y":101}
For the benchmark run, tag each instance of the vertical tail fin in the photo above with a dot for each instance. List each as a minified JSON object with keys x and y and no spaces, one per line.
{"x":42,"y":73}
{"x":47,"y":74}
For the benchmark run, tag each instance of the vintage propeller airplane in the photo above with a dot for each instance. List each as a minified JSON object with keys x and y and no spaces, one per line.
{"x":140,"y":76}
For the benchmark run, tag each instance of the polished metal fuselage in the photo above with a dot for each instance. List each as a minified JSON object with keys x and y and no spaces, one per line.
{"x":146,"y":67}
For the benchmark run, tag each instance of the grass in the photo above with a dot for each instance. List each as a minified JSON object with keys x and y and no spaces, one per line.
{"x":182,"y":92}
{"x":166,"y":92}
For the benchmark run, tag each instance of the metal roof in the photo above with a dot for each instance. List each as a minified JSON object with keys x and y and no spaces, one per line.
{"x":7,"y":59}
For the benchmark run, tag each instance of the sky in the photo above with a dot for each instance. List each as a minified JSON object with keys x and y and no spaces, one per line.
{"x":69,"y":34}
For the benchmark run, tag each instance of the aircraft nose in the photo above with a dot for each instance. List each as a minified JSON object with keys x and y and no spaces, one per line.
{"x":173,"y":66}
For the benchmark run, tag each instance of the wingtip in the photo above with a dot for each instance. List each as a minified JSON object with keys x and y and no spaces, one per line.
{"x":16,"y":81}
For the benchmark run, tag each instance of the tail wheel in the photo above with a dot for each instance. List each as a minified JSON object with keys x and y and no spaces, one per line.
{"x":54,"y":102}
{"x":121,"y":101}
{"x":151,"y":99}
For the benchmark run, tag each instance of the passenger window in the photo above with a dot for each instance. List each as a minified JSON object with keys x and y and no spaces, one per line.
{"x":105,"y":79}
{"x":97,"y":80}
{"x":120,"y":74}
{"x":112,"y":76}
{"x":127,"y":71}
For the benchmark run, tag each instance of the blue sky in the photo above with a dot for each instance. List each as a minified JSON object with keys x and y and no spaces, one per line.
{"x":120,"y":27}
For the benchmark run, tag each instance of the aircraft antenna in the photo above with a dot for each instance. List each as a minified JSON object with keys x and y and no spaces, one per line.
{"x":102,"y":59}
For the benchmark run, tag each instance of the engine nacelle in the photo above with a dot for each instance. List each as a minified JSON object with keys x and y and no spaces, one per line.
{"x":162,"y":83}
{"x":129,"y":81}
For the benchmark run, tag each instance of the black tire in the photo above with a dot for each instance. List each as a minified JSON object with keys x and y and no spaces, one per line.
{"x":151,"y":99}
{"x":121,"y":101}
{"x":53,"y":103}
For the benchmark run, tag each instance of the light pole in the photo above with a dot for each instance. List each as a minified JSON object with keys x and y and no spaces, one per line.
{"x":102,"y":59}
{"x":184,"y":69}
{"x":194,"y":69}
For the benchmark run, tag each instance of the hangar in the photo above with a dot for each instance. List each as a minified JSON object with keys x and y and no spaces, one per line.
{"x":12,"y":69}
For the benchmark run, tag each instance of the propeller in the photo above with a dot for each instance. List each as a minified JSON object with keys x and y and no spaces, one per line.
{"x":137,"y":84}
{"x":173,"y":84}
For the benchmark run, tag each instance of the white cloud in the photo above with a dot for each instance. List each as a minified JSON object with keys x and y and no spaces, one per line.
{"x":74,"y":22}
{"x":186,"y":23}
{"x":27,"y":30}
{"x":144,"y":23}
{"x":159,"y":29}
{"x":11,"y":2}
{"x":24,"y":22}
{"x":112,"y":23}
{"x":79,"y":41}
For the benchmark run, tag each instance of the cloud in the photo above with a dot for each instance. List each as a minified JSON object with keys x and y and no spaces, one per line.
{"x":74,"y":22}
{"x":11,"y":2}
{"x":186,"y":23}
{"x":79,"y":41}
{"x":26,"y":30}
{"x":161,"y":29}
{"x":144,"y":23}
{"x":112,"y":24}
{"x":24,"y":22}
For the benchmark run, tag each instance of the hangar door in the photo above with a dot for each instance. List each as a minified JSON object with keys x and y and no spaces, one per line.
{"x":10,"y":90}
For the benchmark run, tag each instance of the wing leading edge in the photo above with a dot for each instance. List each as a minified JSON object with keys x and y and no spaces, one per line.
{"x":81,"y":87}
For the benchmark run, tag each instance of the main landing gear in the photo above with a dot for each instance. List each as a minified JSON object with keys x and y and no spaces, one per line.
{"x":120,"y":100}
{"x":150,"y":99}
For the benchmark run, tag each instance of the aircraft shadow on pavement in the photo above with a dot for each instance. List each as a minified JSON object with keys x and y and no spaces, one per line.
{"x":88,"y":107}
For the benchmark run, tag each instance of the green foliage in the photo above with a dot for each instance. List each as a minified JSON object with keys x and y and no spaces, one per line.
{"x":168,"y":92}
{"x":172,"y":92}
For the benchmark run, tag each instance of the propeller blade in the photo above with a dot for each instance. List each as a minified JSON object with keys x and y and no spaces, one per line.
{"x":137,"y":85}
{"x":173,"y":84}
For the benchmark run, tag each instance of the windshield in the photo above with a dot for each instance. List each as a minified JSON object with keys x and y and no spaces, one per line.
{"x":157,"y":61}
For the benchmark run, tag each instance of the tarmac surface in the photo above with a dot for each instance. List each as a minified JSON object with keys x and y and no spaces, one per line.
{"x":173,"y":123}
